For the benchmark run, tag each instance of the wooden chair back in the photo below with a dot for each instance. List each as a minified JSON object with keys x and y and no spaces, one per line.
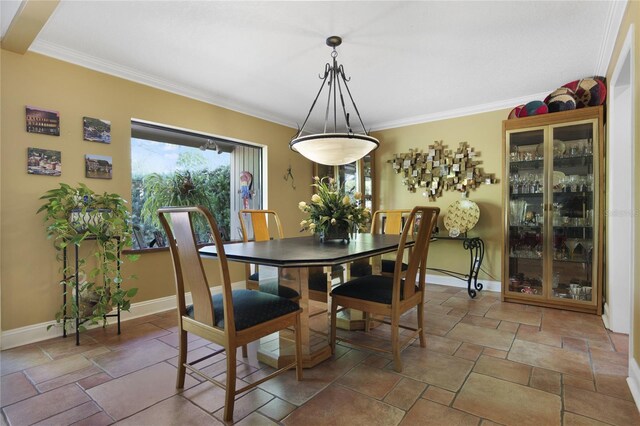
{"x":389,"y":221}
{"x":417,"y":256}
{"x":259,"y":221}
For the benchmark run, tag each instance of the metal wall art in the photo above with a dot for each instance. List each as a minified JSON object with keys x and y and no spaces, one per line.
{"x":440,"y":169}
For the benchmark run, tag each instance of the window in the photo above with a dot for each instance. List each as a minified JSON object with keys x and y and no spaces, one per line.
{"x":172,"y":167}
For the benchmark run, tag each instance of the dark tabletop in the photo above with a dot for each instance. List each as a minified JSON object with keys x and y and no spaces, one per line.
{"x":307,"y":251}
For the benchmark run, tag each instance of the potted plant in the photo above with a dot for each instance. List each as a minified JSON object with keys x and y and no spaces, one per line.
{"x":73,"y":215}
{"x":333,"y":213}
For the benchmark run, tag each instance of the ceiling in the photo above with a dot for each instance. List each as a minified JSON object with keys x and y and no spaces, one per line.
{"x":409,"y":61}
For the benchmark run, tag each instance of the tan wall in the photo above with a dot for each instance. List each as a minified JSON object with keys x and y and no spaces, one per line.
{"x":483,"y":132}
{"x":29,"y":273}
{"x":632,"y":17}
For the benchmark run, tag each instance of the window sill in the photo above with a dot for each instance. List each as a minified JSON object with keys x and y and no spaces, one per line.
{"x":161,"y":249}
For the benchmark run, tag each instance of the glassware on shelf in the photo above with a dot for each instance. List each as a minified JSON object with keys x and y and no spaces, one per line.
{"x":516,"y":211}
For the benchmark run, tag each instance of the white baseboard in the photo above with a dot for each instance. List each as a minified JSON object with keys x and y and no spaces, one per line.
{"x":634,"y":380}
{"x":455,"y":282}
{"x":605,"y":317}
{"x":38,"y":332}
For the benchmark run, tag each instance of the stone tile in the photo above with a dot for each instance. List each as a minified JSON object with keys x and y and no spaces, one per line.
{"x":57,"y":368}
{"x":600,"y":356}
{"x":532,"y":334}
{"x":95,"y":380}
{"x":574,"y":324}
{"x":63,"y":347}
{"x":134,"y":392}
{"x":131,"y":335}
{"x":98,"y":419}
{"x":546,"y":380}
{"x":256,"y":419}
{"x":429,"y":413}
{"x":68,"y":378}
{"x":439,"y":325}
{"x":45,"y":405}
{"x":73,"y":415}
{"x":507,"y":403}
{"x":246,"y":404}
{"x":495,"y":353}
{"x":509,"y":326}
{"x":482,"y":336}
{"x":577,"y":382}
{"x":206,"y":395}
{"x":504,"y":313}
{"x":370,"y":381}
{"x":172,"y":411}
{"x":440,"y":344}
{"x":405,"y":393}
{"x":620,"y":342}
{"x":441,"y":370}
{"x":600,"y":407}
{"x":277,"y":409}
{"x":613,"y":386}
{"x":335,"y":404}
{"x":574,"y":344}
{"x":480,"y":321}
{"x":377,"y":361}
{"x":572,"y":419}
{"x":439,"y":395}
{"x":503,"y":369}
{"x":556,"y":359}
{"x":15,"y":387}
{"x":121,"y":362}
{"x":469,"y":351}
{"x":12,"y":360}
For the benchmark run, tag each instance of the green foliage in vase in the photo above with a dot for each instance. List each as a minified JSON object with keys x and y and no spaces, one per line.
{"x":334,"y":207}
{"x":73,"y":215}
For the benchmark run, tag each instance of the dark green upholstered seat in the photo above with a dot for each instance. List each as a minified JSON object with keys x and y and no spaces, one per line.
{"x":250,"y":308}
{"x":376,"y":288}
{"x":272,"y":287}
{"x":388,"y":266}
{"x":360,"y":269}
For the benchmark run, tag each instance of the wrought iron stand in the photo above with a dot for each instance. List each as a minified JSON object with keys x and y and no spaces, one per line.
{"x":76,"y":277}
{"x":475,"y":247}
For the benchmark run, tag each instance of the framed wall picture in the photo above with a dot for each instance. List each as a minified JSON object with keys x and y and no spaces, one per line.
{"x":44,"y":162}
{"x":96,"y":130}
{"x":42,"y":121}
{"x":98,"y":166}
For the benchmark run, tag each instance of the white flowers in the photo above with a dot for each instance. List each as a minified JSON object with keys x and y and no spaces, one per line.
{"x":316,"y":199}
{"x":333,"y":221}
{"x":302,"y":205}
{"x":303,"y":223}
{"x":346,"y":200}
{"x":358,"y":195}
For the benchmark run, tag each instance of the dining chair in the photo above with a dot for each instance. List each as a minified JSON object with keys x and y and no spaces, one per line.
{"x":259,"y":221}
{"x":392,"y":296}
{"x":382,"y":222}
{"x":231,"y":319}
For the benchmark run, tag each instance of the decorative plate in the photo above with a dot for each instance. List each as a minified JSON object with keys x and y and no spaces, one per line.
{"x":557,"y":178}
{"x":462,"y":215}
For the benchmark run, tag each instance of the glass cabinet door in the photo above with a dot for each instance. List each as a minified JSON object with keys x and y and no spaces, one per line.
{"x":526,"y":213}
{"x":572,"y":212}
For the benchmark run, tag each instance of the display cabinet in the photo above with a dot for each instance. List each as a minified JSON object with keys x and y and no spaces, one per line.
{"x":553,"y":210}
{"x":357,"y":176}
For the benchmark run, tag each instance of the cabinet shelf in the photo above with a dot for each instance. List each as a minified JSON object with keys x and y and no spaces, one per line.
{"x":553,"y":220}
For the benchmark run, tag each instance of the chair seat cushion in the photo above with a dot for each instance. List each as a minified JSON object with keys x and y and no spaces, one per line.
{"x":318,"y":281}
{"x":360,"y":269}
{"x":389,"y":265}
{"x":272,"y":287}
{"x":255,"y":276}
{"x":250,"y":308}
{"x":375,"y":288}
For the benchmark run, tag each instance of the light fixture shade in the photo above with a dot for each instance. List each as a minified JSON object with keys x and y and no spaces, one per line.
{"x":334,"y":149}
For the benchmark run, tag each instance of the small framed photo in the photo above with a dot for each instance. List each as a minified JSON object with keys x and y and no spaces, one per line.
{"x":96,"y":130}
{"x":42,"y":121}
{"x":44,"y":162}
{"x":98,"y":166}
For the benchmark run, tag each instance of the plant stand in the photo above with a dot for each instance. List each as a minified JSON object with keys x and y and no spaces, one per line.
{"x":78,"y":320}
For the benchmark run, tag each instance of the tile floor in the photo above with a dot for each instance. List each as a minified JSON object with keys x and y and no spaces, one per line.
{"x":485,"y":363}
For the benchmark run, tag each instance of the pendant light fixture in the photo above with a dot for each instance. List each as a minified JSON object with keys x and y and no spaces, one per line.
{"x":334,"y":147}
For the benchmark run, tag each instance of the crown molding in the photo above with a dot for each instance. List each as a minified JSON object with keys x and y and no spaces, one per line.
{"x":612,"y":27}
{"x":106,"y":67}
{"x":460,"y":112}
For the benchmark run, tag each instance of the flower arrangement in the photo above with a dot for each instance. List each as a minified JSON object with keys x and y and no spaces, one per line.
{"x":333,"y":211}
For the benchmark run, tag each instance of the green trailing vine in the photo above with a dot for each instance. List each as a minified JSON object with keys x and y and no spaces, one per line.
{"x":73,"y":215}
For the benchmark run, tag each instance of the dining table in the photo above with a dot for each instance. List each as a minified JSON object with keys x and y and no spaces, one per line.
{"x":291,"y":260}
